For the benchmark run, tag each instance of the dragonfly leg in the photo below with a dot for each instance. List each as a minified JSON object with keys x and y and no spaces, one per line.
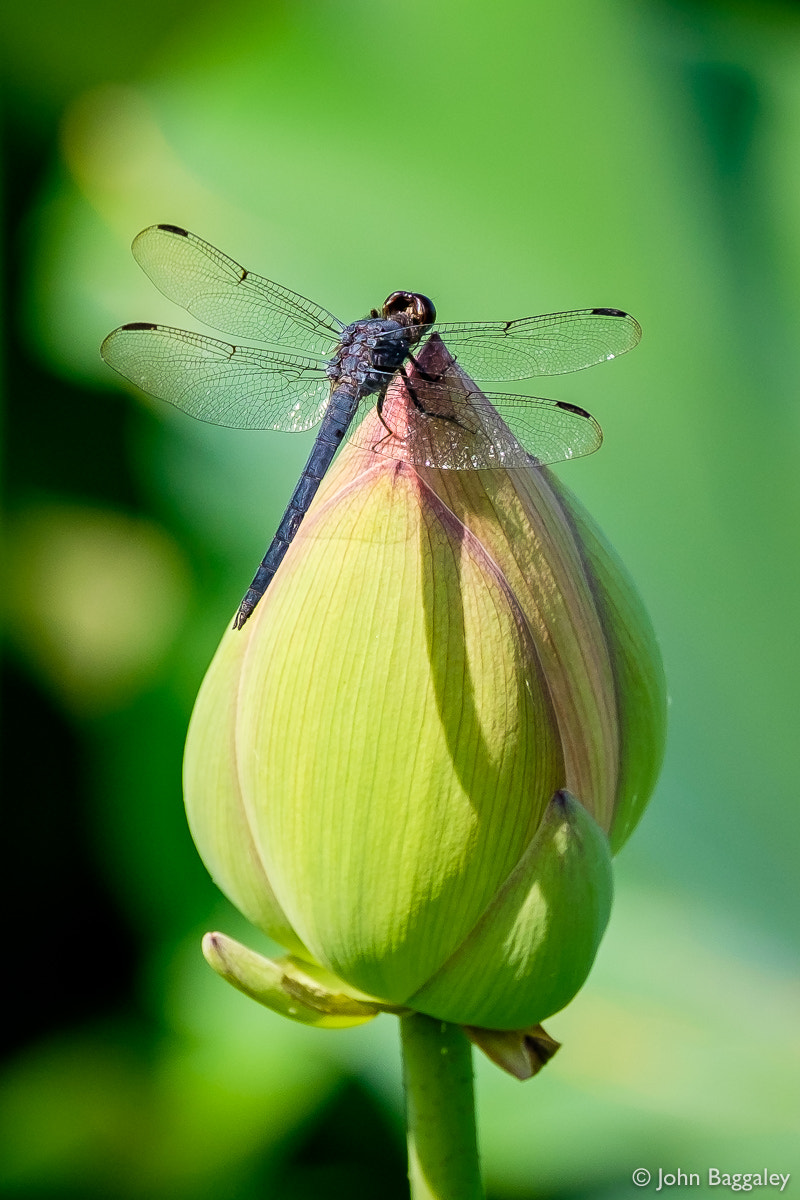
{"x":423,"y":374}
{"x":420,"y":407}
{"x":379,"y":410}
{"x":415,"y":400}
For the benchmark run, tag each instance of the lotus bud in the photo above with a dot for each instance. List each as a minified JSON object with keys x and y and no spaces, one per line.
{"x":412,"y":765}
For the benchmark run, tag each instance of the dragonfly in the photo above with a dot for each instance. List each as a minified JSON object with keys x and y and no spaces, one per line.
{"x":313,"y":369}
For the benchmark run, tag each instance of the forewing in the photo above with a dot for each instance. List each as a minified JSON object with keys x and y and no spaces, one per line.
{"x":553,"y":344}
{"x":237,"y":386}
{"x":462,"y":430}
{"x":222,"y":294}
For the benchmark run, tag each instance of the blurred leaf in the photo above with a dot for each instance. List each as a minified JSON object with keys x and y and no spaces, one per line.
{"x":96,"y":598}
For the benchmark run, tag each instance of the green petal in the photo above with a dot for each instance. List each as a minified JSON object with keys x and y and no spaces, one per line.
{"x":293,"y":989}
{"x":396,"y":742}
{"x":534,"y":946}
{"x":216,"y":815}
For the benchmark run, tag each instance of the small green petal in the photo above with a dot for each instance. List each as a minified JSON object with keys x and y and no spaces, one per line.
{"x":535,"y":944}
{"x":304,"y":993}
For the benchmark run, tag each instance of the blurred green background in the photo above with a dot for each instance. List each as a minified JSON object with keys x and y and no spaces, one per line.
{"x":506,"y":159}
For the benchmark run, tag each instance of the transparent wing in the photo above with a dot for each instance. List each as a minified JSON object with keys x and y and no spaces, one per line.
{"x":224,"y":295}
{"x":462,"y":430}
{"x":548,"y":345}
{"x":226,"y":385}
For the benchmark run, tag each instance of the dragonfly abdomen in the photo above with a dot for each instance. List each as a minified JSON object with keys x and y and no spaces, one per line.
{"x":338,"y":415}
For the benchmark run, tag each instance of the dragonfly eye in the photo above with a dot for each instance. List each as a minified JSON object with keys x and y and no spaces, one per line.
{"x":409,"y":308}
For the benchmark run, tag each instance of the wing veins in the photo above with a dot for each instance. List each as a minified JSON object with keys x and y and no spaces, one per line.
{"x":223,"y":294}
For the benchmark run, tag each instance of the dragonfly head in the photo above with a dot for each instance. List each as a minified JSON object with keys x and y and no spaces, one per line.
{"x":409,"y":309}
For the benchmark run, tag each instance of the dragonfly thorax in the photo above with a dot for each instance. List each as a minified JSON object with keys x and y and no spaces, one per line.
{"x":369,"y":351}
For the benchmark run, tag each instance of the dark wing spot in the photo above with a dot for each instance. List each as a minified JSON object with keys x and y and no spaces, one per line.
{"x":581,"y":412}
{"x":175,"y":229}
{"x":243,"y":275}
{"x":139,"y":325}
{"x":609,"y":312}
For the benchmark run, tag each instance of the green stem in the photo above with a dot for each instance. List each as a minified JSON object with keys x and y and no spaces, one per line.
{"x":440,"y":1111}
